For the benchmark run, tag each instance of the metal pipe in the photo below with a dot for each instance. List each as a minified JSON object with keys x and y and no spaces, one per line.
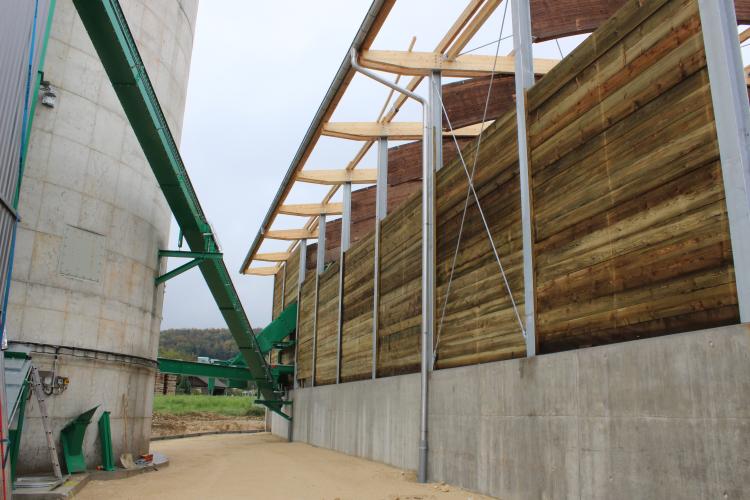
{"x":346,"y":224}
{"x":381,"y":210}
{"x":524,"y":77}
{"x":427,"y":256}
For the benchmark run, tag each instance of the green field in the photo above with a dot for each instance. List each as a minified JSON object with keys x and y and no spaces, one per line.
{"x":232,"y":406}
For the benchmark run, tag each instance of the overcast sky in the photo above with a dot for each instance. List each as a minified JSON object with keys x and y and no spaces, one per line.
{"x":257,"y":78}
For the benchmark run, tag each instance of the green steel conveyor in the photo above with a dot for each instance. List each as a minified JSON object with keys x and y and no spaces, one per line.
{"x":109,"y":32}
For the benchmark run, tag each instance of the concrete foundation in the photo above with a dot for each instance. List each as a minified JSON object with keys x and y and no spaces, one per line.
{"x":92,"y":221}
{"x":667,"y":417}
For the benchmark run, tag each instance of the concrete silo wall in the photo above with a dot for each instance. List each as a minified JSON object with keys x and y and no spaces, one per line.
{"x":93,"y":219}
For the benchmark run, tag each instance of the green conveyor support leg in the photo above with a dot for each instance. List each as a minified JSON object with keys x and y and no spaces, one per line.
{"x":72,"y":441}
{"x":105,"y":437}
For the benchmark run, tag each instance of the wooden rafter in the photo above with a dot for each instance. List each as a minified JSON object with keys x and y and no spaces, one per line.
{"x":337,"y":177}
{"x":423,"y":63}
{"x":456,"y":38}
{"x":291,"y":234}
{"x":399,"y":131}
{"x":273,"y":256}
{"x":308,"y":209}
{"x":261,"y":271}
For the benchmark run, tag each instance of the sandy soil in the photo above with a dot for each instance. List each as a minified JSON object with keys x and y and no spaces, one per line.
{"x":193,"y":423}
{"x":262,"y":466}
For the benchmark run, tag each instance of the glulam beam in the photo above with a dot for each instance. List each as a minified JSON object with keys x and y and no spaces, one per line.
{"x":398,"y":131}
{"x":466,"y":66}
{"x":291,"y":234}
{"x":339,"y":176}
{"x":312,"y":209}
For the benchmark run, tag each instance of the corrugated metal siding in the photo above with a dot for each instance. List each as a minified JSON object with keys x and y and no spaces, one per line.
{"x":16,"y":30}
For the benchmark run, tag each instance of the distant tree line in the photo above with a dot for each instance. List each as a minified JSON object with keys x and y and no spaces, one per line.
{"x":189,"y":343}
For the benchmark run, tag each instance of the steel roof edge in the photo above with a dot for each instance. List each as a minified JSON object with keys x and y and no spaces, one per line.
{"x":341,"y":75}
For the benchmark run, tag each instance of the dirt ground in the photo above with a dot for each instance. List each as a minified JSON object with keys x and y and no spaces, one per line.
{"x":192,"y":423}
{"x":262,"y":466}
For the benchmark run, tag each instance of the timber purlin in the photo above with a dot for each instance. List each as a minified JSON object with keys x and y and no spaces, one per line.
{"x":630,"y":229}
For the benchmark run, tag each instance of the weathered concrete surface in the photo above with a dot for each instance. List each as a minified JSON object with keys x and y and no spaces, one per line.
{"x":374,"y":419}
{"x":86,"y":180}
{"x":660,"y":418}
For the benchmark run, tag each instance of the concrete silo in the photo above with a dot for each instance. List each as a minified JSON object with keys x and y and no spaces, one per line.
{"x":83,"y":298}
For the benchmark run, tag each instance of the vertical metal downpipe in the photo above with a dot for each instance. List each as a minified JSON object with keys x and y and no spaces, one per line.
{"x":427,"y":256}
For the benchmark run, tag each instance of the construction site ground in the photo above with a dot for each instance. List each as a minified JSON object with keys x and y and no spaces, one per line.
{"x":165,"y":424}
{"x":266,"y":467}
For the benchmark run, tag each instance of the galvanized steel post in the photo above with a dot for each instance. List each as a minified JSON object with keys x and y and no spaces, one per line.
{"x":381,"y":210}
{"x":320,"y":267}
{"x":525,"y":79}
{"x":346,"y":225}
{"x":436,"y":117}
{"x":732,"y":115}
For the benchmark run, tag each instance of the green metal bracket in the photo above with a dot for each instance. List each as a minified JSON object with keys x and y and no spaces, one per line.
{"x":105,"y":436}
{"x":72,"y":441}
{"x":198,"y":258}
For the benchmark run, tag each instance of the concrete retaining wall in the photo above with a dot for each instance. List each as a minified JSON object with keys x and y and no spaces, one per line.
{"x":667,"y":417}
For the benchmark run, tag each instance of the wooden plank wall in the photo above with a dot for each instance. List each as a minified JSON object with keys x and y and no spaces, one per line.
{"x":477,"y":323}
{"x":292,"y":276}
{"x":630,"y":229}
{"x":630,"y":225}
{"x":327,"y":334}
{"x":305,"y":333}
{"x":356,"y":337}
{"x":557,"y":18}
{"x":400,"y":290}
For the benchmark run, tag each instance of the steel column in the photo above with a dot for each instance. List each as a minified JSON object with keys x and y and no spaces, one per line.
{"x":320,"y":267}
{"x":381,"y":210}
{"x":732,"y":115}
{"x":346,"y":225}
{"x":283,"y":285}
{"x":436,"y":118}
{"x":300,"y":279}
{"x":524,"y":80}
{"x":320,"y":264}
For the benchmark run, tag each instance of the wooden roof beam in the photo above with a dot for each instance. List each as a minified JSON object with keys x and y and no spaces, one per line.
{"x":273,"y":256}
{"x":399,"y":131}
{"x":336,"y":177}
{"x":291,"y":234}
{"x":472,"y":27}
{"x":261,"y":271}
{"x":423,"y":63}
{"x":312,"y":209}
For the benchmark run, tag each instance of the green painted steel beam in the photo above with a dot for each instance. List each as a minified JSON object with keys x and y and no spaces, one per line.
{"x":278,"y":329}
{"x":178,"y":367}
{"x":177,"y":271}
{"x":190,"y":255}
{"x":106,"y":25}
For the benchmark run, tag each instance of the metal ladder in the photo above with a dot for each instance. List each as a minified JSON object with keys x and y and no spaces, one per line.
{"x":36,"y":387}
